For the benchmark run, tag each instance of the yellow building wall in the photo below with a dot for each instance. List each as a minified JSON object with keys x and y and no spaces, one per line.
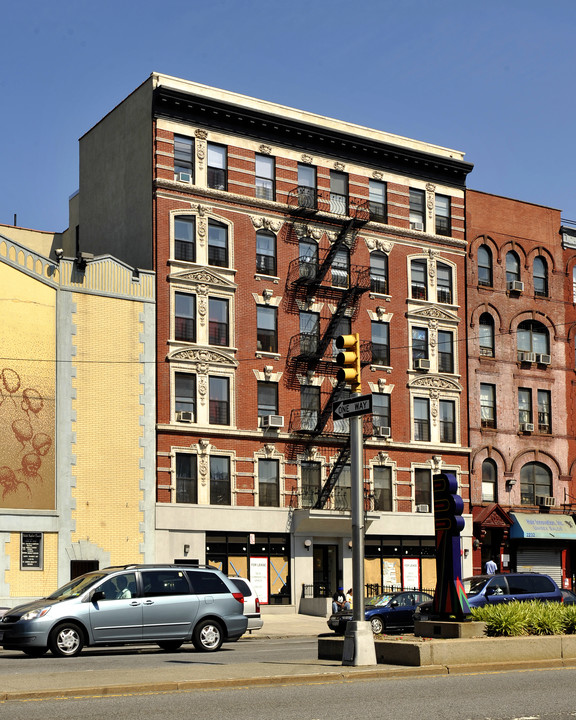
{"x":32,"y":583}
{"x":107,"y":426}
{"x":27,"y":391}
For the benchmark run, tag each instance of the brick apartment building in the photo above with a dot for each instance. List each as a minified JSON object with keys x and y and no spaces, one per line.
{"x":521,"y":374}
{"x":271,"y":232}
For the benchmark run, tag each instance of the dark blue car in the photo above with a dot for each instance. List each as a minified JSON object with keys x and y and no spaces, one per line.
{"x":392,"y":611}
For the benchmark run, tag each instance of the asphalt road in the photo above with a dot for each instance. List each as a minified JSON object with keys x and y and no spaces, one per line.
{"x":529,"y":694}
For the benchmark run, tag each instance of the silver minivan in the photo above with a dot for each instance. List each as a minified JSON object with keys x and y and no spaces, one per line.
{"x":163,"y":604}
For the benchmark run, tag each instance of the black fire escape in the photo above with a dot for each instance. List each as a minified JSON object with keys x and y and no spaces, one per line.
{"x":337,"y":284}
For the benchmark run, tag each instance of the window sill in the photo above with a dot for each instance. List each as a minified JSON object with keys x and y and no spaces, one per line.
{"x":261,"y":354}
{"x":380,"y":296}
{"x":381,"y":368}
{"x":267,"y":278}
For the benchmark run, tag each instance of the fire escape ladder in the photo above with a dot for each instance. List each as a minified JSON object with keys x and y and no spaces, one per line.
{"x":342,"y":460}
{"x":346,"y":237}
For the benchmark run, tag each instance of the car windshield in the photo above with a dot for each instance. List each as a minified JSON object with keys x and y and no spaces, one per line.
{"x":76,"y":587}
{"x":379,"y":600}
{"x":473,"y":586}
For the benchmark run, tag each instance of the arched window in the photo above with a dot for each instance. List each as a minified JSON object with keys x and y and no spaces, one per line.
{"x":532,"y":337}
{"x":512,"y":268}
{"x":535,"y":482}
{"x":489,"y":481}
{"x":484,"y":266}
{"x":540,"y":273}
{"x":486,"y":335}
{"x":265,"y":253}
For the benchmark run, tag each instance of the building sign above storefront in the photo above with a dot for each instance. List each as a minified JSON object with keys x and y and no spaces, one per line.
{"x":542,"y":527}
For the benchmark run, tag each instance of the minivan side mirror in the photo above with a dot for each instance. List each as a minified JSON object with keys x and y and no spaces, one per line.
{"x":97,"y":595}
{"x":394,"y":603}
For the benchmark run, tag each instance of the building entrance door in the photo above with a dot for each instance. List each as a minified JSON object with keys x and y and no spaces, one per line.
{"x":325,"y":570}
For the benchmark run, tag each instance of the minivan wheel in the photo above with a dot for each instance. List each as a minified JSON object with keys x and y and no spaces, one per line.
{"x":66,"y":640}
{"x":208,"y":636}
{"x":170,"y":645}
{"x":377,"y":625}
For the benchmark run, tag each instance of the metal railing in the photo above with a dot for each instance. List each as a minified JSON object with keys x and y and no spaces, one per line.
{"x":322,"y":589}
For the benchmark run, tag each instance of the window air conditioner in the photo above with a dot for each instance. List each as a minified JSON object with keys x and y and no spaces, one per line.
{"x":516,"y":286}
{"x":273,"y":421}
{"x":527,"y":427}
{"x":528,"y":357}
{"x":185,"y":177}
{"x":381,"y":431}
{"x":544,"y":359}
{"x":422,"y":364}
{"x":184,"y":416}
{"x":422,"y":508}
{"x":545,"y":501}
{"x":416,"y":226}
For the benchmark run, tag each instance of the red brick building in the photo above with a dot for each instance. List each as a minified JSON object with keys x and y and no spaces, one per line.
{"x":521,"y":374}
{"x":271,"y":232}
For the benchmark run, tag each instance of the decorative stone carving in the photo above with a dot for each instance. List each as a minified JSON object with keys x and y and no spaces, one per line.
{"x":307,"y":159}
{"x":382,"y":456}
{"x":202,"y":388}
{"x":379,"y":244}
{"x":436,"y":463}
{"x":204,"y":358}
{"x":377,"y":175}
{"x":303,"y":230}
{"x":436,"y":382}
{"x":204,"y":278}
{"x":267,"y":294}
{"x":430,"y":190}
{"x":269,"y":450}
{"x":264,"y":223}
{"x":201,"y":134}
{"x":265,"y":149}
{"x":312,"y":453}
{"x":339,"y":166}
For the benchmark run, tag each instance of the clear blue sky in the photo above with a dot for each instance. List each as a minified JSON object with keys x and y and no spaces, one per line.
{"x":494,"y":79}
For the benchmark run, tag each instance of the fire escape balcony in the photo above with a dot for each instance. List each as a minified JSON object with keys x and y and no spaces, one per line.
{"x":304,"y":200}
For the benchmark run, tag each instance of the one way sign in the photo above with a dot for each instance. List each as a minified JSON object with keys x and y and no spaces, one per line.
{"x":353,"y":406}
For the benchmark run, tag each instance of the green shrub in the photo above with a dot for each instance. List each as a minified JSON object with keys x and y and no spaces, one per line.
{"x":569,"y":619}
{"x":503,"y":619}
{"x":545,"y":618}
{"x":527,"y":618}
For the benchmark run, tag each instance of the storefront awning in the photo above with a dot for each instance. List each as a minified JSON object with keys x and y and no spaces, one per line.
{"x":542,"y":527}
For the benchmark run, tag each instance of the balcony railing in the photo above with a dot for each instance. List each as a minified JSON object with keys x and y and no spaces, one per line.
{"x":304,"y":199}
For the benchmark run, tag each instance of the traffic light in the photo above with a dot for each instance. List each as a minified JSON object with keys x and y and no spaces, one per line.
{"x":349,"y":360}
{"x":448,"y":505}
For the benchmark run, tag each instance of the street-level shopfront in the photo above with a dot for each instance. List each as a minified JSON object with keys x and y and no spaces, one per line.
{"x":400,"y":562}
{"x":544,"y":543}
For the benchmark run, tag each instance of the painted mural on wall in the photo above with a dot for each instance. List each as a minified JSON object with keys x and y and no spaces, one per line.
{"x":27,"y":389}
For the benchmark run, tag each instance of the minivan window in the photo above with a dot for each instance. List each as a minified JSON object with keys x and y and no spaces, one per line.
{"x":242,"y":586}
{"x":207,"y":583}
{"x":523,"y":584}
{"x":497,"y":586}
{"x":76,"y":587}
{"x":119,"y":587}
{"x":158,"y":583}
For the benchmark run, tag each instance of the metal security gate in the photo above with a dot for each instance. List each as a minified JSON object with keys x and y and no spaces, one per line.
{"x":541,"y":559}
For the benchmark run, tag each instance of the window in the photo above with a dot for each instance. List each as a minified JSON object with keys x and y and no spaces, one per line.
{"x":217,"y":244}
{"x":489,"y":478}
{"x":308,"y":256}
{"x":487,"y":405}
{"x":341,"y":268}
{"x":184,"y":239}
{"x":311,"y":483}
{"x":338,"y":192}
{"x":486,"y":335}
{"x":379,"y":273}
{"x":535,"y":482}
{"x":377,"y":200}
{"x":443,"y":224}
{"x":524,"y":406}
{"x":306,"y":186}
{"x":185,"y":393}
{"x":484,"y":266}
{"x":544,"y":415}
{"x":447,"y":410}
{"x":512,"y":267}
{"x":444,"y":283}
{"x":540,"y":277}
{"x":185,"y":317}
{"x":381,"y":410}
{"x":380,"y":343}
{"x":309,"y":406}
{"x":418,"y":279}
{"x":219,"y":480}
{"x":219,"y":391}
{"x":341,"y":495}
{"x":218,"y":322}
{"x":163,"y":583}
{"x":422,"y":419}
{"x":445,"y":352}
{"x":183,"y":158}
{"x":382,"y":488}
{"x":186,"y":478}
{"x":532,"y":336}
{"x":265,"y":253}
{"x":342,"y":425}
{"x":419,"y":345}
{"x":217,"y":167}
{"x":267,"y":399}
{"x":309,"y":332}
{"x":266,"y":328}
{"x":417,"y":209}
{"x":423,"y":487}
{"x":269,"y":483}
{"x":265,"y":171}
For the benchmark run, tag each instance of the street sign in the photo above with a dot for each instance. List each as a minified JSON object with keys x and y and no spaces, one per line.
{"x":351,"y":407}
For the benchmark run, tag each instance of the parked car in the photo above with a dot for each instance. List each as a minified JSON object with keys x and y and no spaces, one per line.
{"x":389,"y":611}
{"x":251,"y":602}
{"x":568,"y":597}
{"x":506,"y":587}
{"x":163,"y":604}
